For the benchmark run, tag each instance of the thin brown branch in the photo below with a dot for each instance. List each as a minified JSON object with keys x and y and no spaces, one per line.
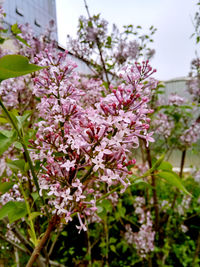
{"x":52,"y":224}
{"x":99,"y":47}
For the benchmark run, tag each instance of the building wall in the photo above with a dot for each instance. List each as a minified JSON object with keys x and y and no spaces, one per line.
{"x":178,"y":86}
{"x":38,"y":13}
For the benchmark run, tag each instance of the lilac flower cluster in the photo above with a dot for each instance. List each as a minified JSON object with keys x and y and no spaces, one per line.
{"x":82,"y":147}
{"x":126,"y":50}
{"x":194,"y":88}
{"x":185,"y":204}
{"x":108,"y":51}
{"x":163,"y":126}
{"x":191,"y":135}
{"x":2,"y":14}
{"x":92,"y":89}
{"x":175,"y":99}
{"x":144,"y":238}
{"x":176,"y":121}
{"x":18,"y":92}
{"x":193,"y":83}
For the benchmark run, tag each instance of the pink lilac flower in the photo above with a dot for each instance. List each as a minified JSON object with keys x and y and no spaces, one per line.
{"x":143,"y":240}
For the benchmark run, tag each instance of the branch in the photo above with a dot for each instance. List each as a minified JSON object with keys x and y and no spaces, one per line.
{"x":14,"y":244}
{"x":52,"y":224}
{"x":153,"y":183}
{"x":54,"y":242}
{"x":87,"y":9}
{"x":17,"y":233}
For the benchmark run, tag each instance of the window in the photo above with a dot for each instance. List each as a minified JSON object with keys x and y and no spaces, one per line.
{"x":19,"y":11}
{"x":37,"y":23}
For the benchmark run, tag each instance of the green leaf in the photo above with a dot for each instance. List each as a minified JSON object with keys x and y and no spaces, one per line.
{"x":6,"y":209}
{"x":6,"y":141}
{"x":32,"y":237}
{"x":173,"y":179}
{"x":90,"y":24}
{"x":3,"y":119}
{"x":35,"y":195}
{"x":165,"y":166}
{"x":112,"y":248}
{"x":22,"y":119}
{"x":157,"y":163}
{"x":35,"y":214}
{"x":22,"y":40}
{"x":109,"y":40}
{"x":14,"y":211}
{"x":18,"y":164}
{"x":112,"y":240}
{"x":18,"y":212}
{"x":64,"y":233}
{"x":4,"y":187}
{"x":2,"y":40}
{"x":99,"y":209}
{"x":16,"y":65}
{"x":106,"y":204}
{"x":18,"y":145}
{"x":15,"y":29}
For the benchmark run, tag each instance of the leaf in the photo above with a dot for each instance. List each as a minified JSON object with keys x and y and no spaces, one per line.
{"x":14,"y":210}
{"x":4,"y":187}
{"x":32,"y":237}
{"x":18,"y":145}
{"x":15,"y":29}
{"x":109,"y":40}
{"x":16,"y":65}
{"x":157,"y":163}
{"x":35,"y":214}
{"x":173,"y":179}
{"x":112,"y":240}
{"x":18,"y":164}
{"x":22,"y":40}
{"x":35,"y":195}
{"x":165,"y":166}
{"x":6,"y":141}
{"x":18,"y":212}
{"x":106,"y":204}
{"x":113,"y":249}
{"x":5,"y":209}
{"x":90,"y":24}
{"x":99,"y":209}
{"x":2,"y":40}
{"x":22,"y":119}
{"x":3,"y":119}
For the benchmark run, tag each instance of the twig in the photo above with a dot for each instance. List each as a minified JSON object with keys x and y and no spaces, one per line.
{"x":153,"y":183}
{"x":196,"y":254}
{"x":14,"y":244}
{"x":54,"y":242}
{"x":52,"y":224}
{"x":99,"y":47}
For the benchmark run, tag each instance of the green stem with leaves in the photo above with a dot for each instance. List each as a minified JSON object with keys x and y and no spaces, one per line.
{"x":12,"y":121}
{"x":33,"y":234}
{"x":21,"y":139}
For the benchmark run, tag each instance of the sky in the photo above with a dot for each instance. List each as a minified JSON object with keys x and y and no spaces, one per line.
{"x":173,"y":19}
